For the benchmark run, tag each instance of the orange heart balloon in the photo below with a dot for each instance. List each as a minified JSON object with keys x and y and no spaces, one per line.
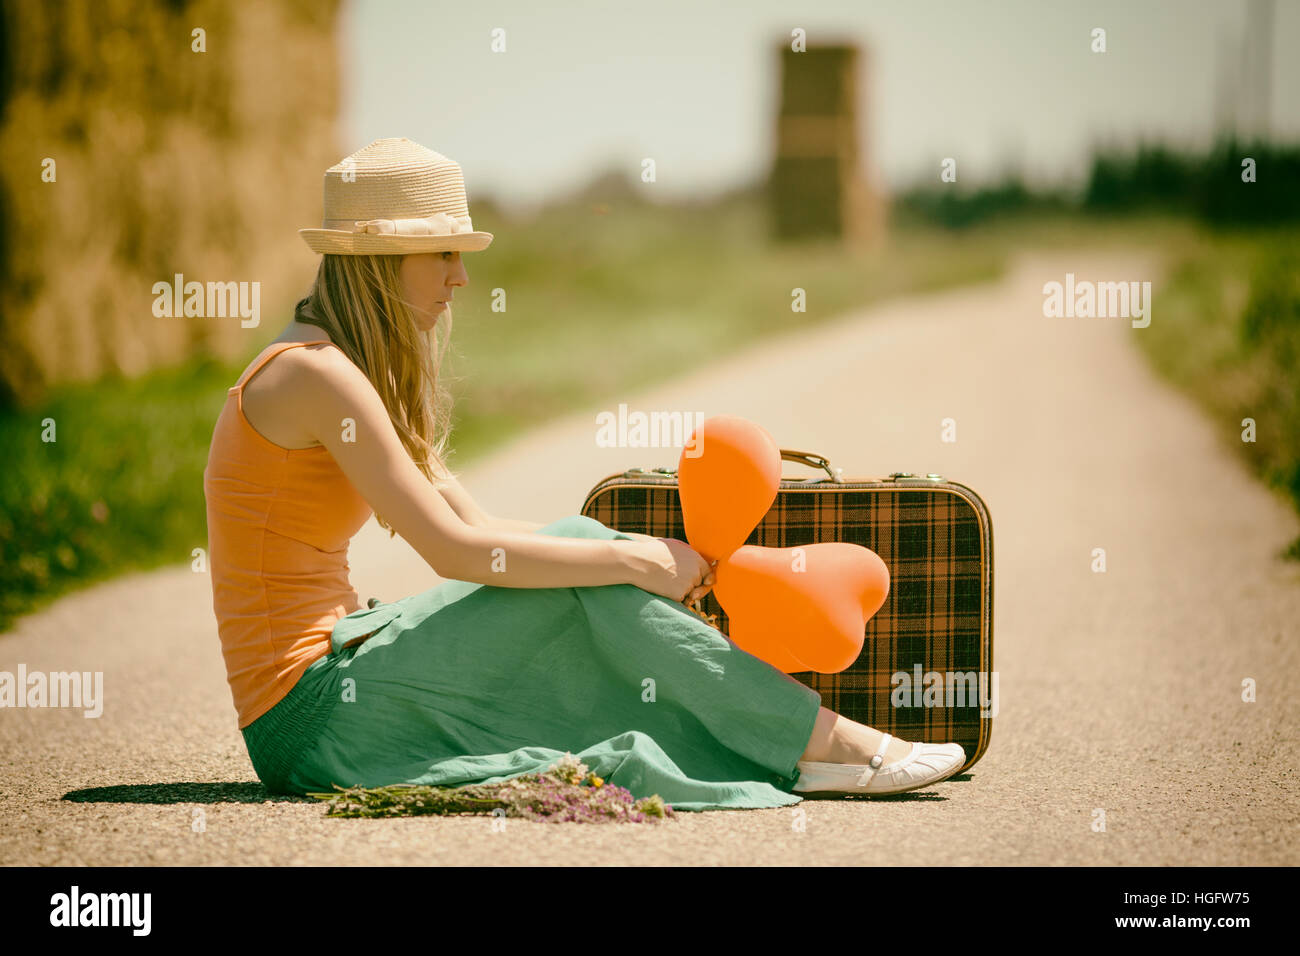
{"x":804,"y":608}
{"x":727,"y":477}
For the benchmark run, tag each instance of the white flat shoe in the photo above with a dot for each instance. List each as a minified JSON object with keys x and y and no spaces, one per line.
{"x":926,"y":764}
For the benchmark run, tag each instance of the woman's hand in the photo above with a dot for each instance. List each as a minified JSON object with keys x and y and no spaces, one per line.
{"x":704,"y":588}
{"x":671,"y":568}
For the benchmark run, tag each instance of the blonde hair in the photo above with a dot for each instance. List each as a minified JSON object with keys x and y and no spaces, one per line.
{"x":357,"y":300}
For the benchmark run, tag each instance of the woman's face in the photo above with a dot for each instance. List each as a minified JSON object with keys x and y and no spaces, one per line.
{"x":428,"y":280}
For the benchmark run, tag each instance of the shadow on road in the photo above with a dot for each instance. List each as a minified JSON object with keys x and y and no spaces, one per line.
{"x":182,"y":793}
{"x":250,"y":792}
{"x":924,"y":796}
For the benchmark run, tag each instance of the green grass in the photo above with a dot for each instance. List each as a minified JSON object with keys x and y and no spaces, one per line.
{"x":1229,"y":336}
{"x":120,"y":488}
{"x":599,"y":305}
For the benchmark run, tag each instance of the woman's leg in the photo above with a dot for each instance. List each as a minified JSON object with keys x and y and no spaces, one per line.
{"x":467,"y":682}
{"x":836,"y":739}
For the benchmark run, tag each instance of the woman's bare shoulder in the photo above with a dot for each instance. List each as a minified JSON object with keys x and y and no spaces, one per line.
{"x":279,"y":399}
{"x":322,"y":363}
{"x":321,"y":386}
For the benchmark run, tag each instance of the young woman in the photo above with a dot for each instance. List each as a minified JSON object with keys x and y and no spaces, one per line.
{"x":543,"y":639}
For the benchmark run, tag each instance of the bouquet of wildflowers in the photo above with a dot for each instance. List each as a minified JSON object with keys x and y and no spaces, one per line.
{"x":567,"y":792}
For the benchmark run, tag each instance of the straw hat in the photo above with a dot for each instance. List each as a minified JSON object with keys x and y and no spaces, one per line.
{"x":392,"y":198}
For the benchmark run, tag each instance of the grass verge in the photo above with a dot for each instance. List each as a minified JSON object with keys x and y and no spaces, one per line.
{"x":1229,"y":337}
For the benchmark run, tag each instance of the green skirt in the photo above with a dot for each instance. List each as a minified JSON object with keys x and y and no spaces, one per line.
{"x":470,"y":683}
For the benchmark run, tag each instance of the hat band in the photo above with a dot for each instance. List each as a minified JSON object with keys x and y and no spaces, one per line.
{"x":439,"y":224}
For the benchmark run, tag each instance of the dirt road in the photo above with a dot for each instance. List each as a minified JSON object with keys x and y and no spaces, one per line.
{"x":1121,"y":692}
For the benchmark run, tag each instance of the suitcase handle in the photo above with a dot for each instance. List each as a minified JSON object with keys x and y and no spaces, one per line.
{"x":821,"y":461}
{"x":812,"y":461}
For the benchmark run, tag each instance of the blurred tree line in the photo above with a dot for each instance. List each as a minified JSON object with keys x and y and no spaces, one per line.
{"x":1152,"y":178}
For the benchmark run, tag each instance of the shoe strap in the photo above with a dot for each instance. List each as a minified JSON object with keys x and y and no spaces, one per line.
{"x":877,"y":761}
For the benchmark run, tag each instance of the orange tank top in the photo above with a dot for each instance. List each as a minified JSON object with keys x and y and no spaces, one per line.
{"x":279,"y":523}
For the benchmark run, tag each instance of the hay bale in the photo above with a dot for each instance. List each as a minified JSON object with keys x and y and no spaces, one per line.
{"x":819,"y":185}
{"x":168,"y":161}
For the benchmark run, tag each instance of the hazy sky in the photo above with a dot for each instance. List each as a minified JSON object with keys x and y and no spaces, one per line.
{"x":694,"y":84}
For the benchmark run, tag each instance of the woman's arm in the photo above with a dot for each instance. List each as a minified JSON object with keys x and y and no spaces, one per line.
{"x":469,"y":511}
{"x":326,"y":388}
{"x":511,"y":524}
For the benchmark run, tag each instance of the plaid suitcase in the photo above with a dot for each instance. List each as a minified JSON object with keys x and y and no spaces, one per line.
{"x":936,"y":538}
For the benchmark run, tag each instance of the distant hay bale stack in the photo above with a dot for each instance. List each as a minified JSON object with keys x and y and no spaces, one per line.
{"x":164,"y":160}
{"x":820,"y":186}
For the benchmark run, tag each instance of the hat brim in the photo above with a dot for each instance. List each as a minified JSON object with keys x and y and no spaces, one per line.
{"x":340,"y":242}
